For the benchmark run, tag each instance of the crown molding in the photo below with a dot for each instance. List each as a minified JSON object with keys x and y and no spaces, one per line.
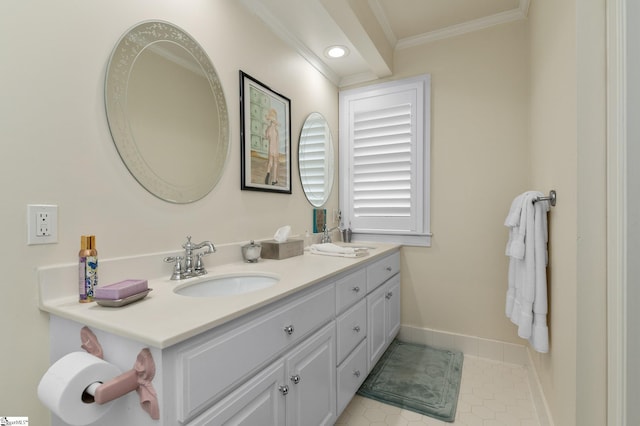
{"x":466,"y":27}
{"x":281,"y":31}
{"x":381,"y":16}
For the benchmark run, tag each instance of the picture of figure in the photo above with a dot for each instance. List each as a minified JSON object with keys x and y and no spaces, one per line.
{"x":272,"y":136}
{"x":266,"y":138}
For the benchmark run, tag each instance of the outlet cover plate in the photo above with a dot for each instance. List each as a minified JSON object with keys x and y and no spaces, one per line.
{"x":35,"y":213}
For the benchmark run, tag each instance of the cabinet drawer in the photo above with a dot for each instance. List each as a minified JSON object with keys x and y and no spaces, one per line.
{"x":352,"y":328}
{"x":381,"y":270}
{"x":205,"y":372}
{"x":350,"y":289}
{"x":351,"y":374}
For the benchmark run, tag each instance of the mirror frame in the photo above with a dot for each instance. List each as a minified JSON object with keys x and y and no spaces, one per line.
{"x":121,"y":62}
{"x":310,"y":124}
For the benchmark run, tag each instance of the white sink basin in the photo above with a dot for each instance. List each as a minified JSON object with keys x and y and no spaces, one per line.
{"x":227,"y":285}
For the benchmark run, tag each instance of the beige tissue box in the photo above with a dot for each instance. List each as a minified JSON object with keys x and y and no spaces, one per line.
{"x":272,"y":249}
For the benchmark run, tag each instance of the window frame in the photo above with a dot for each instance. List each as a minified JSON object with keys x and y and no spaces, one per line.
{"x":420,"y":89}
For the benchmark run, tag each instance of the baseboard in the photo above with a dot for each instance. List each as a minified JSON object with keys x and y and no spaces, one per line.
{"x":495,"y":350}
{"x":469,"y":345}
{"x":539,"y":401}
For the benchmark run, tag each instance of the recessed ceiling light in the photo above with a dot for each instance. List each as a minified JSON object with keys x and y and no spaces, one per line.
{"x":336,"y":51}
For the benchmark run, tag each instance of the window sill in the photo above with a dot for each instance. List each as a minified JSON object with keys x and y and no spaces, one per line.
{"x":418,"y":240}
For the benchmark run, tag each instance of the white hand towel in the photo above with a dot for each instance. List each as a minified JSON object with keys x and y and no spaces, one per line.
{"x":540,"y":333}
{"x":526,"y":303}
{"x":330,"y":249}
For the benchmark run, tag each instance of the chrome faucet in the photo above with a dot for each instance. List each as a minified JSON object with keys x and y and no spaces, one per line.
{"x":326,"y":237}
{"x":188,"y":269}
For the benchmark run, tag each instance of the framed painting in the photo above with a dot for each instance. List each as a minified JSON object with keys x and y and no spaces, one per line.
{"x":265,"y":135}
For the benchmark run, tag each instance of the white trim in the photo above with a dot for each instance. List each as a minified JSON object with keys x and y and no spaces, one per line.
{"x":416,"y":240}
{"x":278,"y":28}
{"x":466,"y":27}
{"x":537,"y":393}
{"x":381,"y":16}
{"x":616,"y":213}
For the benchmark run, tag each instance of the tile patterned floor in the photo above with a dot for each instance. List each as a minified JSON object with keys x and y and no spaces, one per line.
{"x":491,"y":394}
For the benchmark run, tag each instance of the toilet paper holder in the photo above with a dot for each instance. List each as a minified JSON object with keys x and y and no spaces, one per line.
{"x":138,"y":378}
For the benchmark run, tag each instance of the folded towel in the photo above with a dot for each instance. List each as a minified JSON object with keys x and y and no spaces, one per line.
{"x":330,"y":249}
{"x":513,"y":218}
{"x":526,"y":303}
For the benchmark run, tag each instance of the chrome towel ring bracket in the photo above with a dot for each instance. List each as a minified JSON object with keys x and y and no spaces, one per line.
{"x":551,"y":198}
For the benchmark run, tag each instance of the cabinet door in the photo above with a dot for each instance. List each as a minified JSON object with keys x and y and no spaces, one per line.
{"x":259,"y":402}
{"x":311,"y":372}
{"x":392,"y":308}
{"x":351,"y":374}
{"x":376,"y":325}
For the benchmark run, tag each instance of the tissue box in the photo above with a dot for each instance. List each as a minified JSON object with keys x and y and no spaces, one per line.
{"x":272,"y":249}
{"x":121,"y":290}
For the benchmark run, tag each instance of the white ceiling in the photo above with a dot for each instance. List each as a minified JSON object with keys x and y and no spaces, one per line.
{"x":373,"y":29}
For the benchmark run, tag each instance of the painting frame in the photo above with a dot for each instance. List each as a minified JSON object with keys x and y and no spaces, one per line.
{"x":265,"y":137}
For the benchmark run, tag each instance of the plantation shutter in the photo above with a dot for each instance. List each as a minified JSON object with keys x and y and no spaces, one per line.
{"x":384,"y":161}
{"x":383,"y":179}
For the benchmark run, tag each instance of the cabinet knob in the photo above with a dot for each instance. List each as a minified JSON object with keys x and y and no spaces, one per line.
{"x":295,"y":379}
{"x":284,"y":390}
{"x":388,"y":296}
{"x":356,"y":329}
{"x":356,"y":289}
{"x":289,"y":330}
{"x":356,"y":373}
{"x":389,"y":268}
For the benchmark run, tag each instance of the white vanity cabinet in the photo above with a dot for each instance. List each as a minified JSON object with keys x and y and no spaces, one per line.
{"x":383,"y":306}
{"x":294,"y":360}
{"x":312,"y":381}
{"x":259,"y":402}
{"x":210,"y":366}
{"x":298,"y":389}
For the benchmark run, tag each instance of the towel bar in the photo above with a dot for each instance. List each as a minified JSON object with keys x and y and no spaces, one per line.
{"x":551,"y":198}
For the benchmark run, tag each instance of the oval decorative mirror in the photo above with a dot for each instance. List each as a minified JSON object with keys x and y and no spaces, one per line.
{"x":315,"y":159}
{"x":167,"y":112}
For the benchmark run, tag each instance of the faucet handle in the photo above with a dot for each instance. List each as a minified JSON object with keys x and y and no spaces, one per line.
{"x":177,"y":269}
{"x":199,"y":268}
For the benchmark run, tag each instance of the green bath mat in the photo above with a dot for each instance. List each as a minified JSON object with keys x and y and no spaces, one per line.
{"x":418,"y":378}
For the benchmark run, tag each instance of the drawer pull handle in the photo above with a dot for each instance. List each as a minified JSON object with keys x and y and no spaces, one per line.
{"x":295,"y":379}
{"x":389,"y":268}
{"x":356,"y":373}
{"x":356,"y":289}
{"x":289,"y":330}
{"x":356,"y":329}
{"x":284,"y":390}
{"x":388,"y":296}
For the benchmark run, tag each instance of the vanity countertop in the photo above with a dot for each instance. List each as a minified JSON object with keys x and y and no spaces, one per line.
{"x":165,"y":318}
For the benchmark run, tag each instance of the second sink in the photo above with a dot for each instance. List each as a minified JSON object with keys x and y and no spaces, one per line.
{"x":227,"y":285}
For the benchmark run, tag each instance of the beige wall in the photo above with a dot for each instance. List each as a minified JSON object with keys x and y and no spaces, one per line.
{"x":515,"y":107}
{"x":56,"y":148}
{"x":479,"y":147}
{"x":568,"y":120}
{"x":554,"y":164}
{"x":503,"y":99}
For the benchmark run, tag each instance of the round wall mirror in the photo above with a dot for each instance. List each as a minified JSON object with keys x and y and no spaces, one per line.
{"x":315,"y":159}
{"x":167,"y":112}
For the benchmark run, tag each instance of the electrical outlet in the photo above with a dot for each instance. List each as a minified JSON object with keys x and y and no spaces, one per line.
{"x":42,"y":224}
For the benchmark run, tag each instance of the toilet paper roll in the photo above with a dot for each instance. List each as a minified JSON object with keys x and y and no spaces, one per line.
{"x":62,"y":386}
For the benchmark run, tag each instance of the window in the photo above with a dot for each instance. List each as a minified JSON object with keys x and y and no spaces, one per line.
{"x":384,"y":161}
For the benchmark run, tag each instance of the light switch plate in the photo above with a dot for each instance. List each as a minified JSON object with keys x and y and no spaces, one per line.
{"x":42,"y":224}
